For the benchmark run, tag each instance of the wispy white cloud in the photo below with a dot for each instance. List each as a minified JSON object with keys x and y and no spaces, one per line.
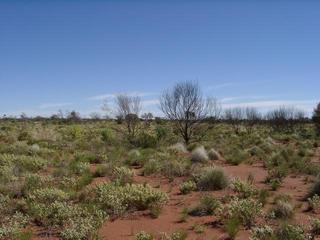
{"x":306,"y":105}
{"x":113,"y":95}
{"x":54,"y":105}
{"x":151,"y":102}
{"x":235,"y":84}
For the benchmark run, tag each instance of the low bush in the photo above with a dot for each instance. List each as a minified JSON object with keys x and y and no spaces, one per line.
{"x":314,"y":203}
{"x":244,"y":189}
{"x":290,"y":232}
{"x":143,"y":236}
{"x":214,"y":155}
{"x":283,"y":210}
{"x":236,"y":156}
{"x":116,"y":199}
{"x":246,"y":210}
{"x":151,"y":166}
{"x":208,"y":206}
{"x":211,"y":178}
{"x":262,"y":233}
{"x":232,"y":227}
{"x":199,"y":155}
{"x":315,"y":227}
{"x":122,"y":175}
{"x":187,"y":187}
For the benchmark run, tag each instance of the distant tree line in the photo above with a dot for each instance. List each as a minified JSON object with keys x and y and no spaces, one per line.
{"x":186,"y":107}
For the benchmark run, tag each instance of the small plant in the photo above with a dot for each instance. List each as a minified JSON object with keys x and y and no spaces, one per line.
{"x":101,"y":171}
{"x":208,"y":206}
{"x":262,"y":233}
{"x":232,"y":227}
{"x":246,"y":210}
{"x":211,"y":178}
{"x":236,"y":156}
{"x":122,"y":175}
{"x":199,"y":155}
{"x":150,"y":167}
{"x":314,"y":203}
{"x":315,"y":188}
{"x":143,"y":236}
{"x":283,"y":210}
{"x":214,"y":155}
{"x":188,"y":187}
{"x":290,"y":232}
{"x":244,"y":189}
{"x":315,"y":227}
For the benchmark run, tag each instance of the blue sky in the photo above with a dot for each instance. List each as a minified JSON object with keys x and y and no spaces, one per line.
{"x":71,"y":54}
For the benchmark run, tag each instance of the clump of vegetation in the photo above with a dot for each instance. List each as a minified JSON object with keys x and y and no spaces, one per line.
{"x":211,"y":178}
{"x":236,"y":156}
{"x":214,"y":155}
{"x":143,"y":236}
{"x":246,"y":210}
{"x":262,"y":233}
{"x":208,"y":206}
{"x":199,"y":155}
{"x":187,"y":187}
{"x":314,"y":203}
{"x":283,"y":210}
{"x":232,"y":227}
{"x":244,"y":189}
{"x":290,"y":232}
{"x":115,"y":199}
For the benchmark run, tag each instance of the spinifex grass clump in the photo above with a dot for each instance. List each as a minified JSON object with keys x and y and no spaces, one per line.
{"x":211,"y":178}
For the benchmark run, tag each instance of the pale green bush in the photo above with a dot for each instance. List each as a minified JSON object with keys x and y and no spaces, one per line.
{"x":122,"y":175}
{"x":214,"y":155}
{"x":262,"y":233}
{"x":143,"y":236}
{"x":290,"y":232}
{"x":115,"y":199}
{"x":246,"y":210}
{"x":244,"y":189}
{"x":13,"y":225}
{"x":314,"y":203}
{"x":283,"y":209}
{"x":199,"y":155}
{"x":211,"y":178}
{"x":187,"y":187}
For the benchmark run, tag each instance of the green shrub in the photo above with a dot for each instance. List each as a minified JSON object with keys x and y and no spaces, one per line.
{"x":208,"y":206}
{"x":143,"y":236}
{"x":246,"y":210}
{"x":199,"y":154}
{"x":102,"y":170}
{"x":262,"y":233}
{"x":211,"y":178}
{"x":283,"y":210}
{"x":145,"y":140}
{"x":314,"y":203}
{"x":151,"y":166}
{"x":116,"y":199}
{"x":232,"y":227}
{"x":83,"y":225}
{"x":13,"y":225}
{"x":290,"y":232}
{"x":236,"y":156}
{"x":244,"y":189}
{"x":315,"y":189}
{"x":122,"y":175}
{"x":315,"y":227}
{"x":107,"y":135}
{"x":213,"y":154}
{"x":187,"y":187}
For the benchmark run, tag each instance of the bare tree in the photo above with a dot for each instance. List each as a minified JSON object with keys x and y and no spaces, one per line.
{"x":252,"y":116}
{"x":284,"y":118}
{"x":147,"y":117}
{"x":128,"y":109}
{"x":234,"y":116}
{"x":214,"y":109}
{"x":186,"y":107}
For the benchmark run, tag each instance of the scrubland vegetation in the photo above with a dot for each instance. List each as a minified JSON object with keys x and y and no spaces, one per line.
{"x":198,"y":173}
